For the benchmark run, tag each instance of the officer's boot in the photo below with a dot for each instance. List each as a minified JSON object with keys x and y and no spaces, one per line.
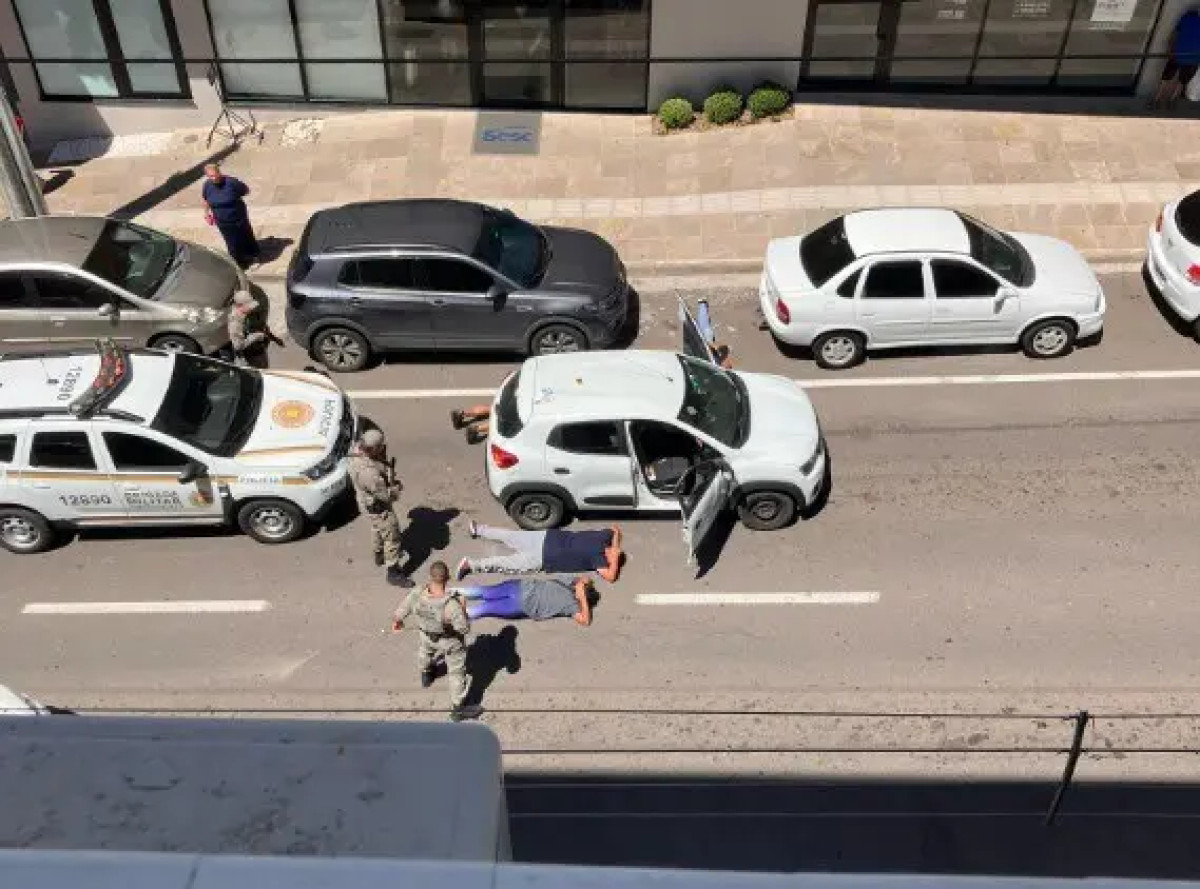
{"x":465,"y":711}
{"x":396,"y":577}
{"x":379,"y":558}
{"x":427,"y":677}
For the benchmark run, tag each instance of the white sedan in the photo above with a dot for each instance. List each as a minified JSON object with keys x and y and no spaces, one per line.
{"x":891,"y":278}
{"x":1173,"y":257}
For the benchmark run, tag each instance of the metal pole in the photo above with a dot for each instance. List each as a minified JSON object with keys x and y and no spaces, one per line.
{"x":22,"y":188}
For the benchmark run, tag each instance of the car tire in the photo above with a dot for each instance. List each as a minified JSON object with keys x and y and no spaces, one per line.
{"x":271,"y":521}
{"x":1051,"y":338}
{"x":341,"y":349}
{"x":767,"y":510}
{"x":556,"y":339}
{"x":1196,"y":329}
{"x":176,"y":342}
{"x":537,"y":511}
{"x":24,"y":532}
{"x":839,"y":349}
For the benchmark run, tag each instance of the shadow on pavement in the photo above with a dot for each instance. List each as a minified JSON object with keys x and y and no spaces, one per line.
{"x":428,"y":531}
{"x":855,"y":826}
{"x":173,"y":186}
{"x":271,"y":248}
{"x":57,"y":180}
{"x":487,"y":656}
{"x":1180,"y":326}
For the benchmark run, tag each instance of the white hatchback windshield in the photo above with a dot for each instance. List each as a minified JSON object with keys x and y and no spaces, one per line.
{"x":715,"y":401}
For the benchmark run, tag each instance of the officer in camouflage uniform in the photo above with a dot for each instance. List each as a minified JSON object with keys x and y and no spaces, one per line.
{"x":248,"y":335}
{"x":376,"y":488}
{"x":442,"y":623}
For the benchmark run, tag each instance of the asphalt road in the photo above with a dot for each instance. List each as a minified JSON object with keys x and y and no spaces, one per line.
{"x":1031,"y":547}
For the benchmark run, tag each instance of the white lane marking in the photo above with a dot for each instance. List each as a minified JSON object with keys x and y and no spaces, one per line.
{"x":864,"y":598}
{"x":200,"y":606}
{"x":1101,"y":376}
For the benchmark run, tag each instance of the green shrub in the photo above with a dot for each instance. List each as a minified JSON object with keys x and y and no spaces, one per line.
{"x":676,"y":113}
{"x":768,"y":99}
{"x":724,"y":105}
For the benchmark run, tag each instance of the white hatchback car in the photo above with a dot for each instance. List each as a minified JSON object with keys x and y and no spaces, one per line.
{"x":593,"y":431}
{"x":1173,"y":257}
{"x":890,"y":278}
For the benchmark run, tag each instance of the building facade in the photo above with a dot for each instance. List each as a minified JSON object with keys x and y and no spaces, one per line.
{"x":100,"y":67}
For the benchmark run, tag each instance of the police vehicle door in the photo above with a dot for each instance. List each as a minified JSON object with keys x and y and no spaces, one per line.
{"x":704,"y":493}
{"x":146,"y":471}
{"x":695,"y":342}
{"x":64,"y":480}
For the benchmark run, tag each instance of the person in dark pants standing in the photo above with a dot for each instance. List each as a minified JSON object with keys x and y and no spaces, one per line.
{"x":1183,"y":60}
{"x":225,"y":207}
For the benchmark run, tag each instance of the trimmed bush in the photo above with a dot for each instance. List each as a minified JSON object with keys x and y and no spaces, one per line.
{"x":768,"y":99}
{"x":676,"y":114}
{"x":724,"y":106}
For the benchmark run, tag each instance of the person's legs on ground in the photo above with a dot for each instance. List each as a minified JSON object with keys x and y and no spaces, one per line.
{"x":461,"y":418}
{"x":499,"y":600}
{"x":526,"y":556}
{"x":1185,"y":75}
{"x":478,"y":431}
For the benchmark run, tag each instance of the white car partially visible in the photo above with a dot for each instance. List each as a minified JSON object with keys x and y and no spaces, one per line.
{"x":904,"y":277}
{"x":1173,"y":257}
{"x":14,"y":704}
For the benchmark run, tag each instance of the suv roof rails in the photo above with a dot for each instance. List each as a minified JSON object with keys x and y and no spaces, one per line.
{"x":37,"y":413}
{"x":350,"y":248}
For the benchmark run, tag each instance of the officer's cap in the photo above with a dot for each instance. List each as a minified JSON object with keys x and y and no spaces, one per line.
{"x":372,"y":439}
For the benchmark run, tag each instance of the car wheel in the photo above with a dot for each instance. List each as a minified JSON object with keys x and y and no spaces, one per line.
{"x":839,"y":349}
{"x":538,"y":511}
{"x":23,"y":531}
{"x":341,"y":349}
{"x":1196,"y":329}
{"x":767,"y":511}
{"x":1049,"y":339}
{"x":175,"y":342}
{"x":555,"y":339}
{"x":271,"y":521}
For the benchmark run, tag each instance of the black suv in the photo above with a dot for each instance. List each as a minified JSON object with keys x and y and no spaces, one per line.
{"x":448,"y":275}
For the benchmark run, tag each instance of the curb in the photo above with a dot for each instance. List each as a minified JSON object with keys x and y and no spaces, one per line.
{"x":746,"y":266}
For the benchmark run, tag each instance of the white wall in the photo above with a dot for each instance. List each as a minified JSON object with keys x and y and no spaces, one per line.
{"x":748,"y":29}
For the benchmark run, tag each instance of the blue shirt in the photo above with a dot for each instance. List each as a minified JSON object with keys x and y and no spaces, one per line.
{"x":1187,"y":39}
{"x":567,"y":551}
{"x":226,"y":200}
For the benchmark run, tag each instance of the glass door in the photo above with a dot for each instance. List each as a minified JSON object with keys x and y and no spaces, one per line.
{"x":519,"y":42}
{"x":849,"y":41}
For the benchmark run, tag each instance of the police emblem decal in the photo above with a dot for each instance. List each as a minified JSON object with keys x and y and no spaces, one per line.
{"x":292,"y":414}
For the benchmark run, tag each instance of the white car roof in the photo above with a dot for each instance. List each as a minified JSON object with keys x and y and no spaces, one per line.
{"x":601,"y":385}
{"x":906,"y":229}
{"x":50,"y":382}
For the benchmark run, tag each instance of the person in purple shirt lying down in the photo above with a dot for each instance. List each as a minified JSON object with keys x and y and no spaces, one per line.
{"x":532,"y":599}
{"x":548,"y":552}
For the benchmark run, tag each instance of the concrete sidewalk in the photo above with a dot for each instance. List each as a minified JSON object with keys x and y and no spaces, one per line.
{"x":703,"y":201}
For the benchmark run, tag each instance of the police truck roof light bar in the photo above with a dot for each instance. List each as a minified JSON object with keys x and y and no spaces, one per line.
{"x":113,"y":373}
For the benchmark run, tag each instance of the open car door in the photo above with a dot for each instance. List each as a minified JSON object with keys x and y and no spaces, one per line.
{"x":697,"y":333}
{"x":703,"y":492}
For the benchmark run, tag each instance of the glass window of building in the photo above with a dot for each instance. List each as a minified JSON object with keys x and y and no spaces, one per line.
{"x":427,"y":46}
{"x":341,"y":30}
{"x":260,"y":33}
{"x":1021,"y":42}
{"x":935,"y":41}
{"x":1102,"y":28}
{"x":615,"y":34}
{"x":124,"y":48}
{"x":518,"y":46}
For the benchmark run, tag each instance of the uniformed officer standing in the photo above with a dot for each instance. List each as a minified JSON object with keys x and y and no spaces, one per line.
{"x":248,"y":335}
{"x":376,"y":489}
{"x":443,"y":625}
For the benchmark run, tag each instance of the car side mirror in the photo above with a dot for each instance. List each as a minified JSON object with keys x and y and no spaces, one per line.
{"x":191,"y":472}
{"x":108,"y":310}
{"x":497,"y":294}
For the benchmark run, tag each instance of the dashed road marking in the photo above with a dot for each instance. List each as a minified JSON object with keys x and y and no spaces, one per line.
{"x":852,"y":598}
{"x":201,"y":606}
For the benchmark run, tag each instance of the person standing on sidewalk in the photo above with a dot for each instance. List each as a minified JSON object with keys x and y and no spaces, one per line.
{"x":225,"y":207}
{"x":441,"y":620}
{"x":1183,"y":60}
{"x":376,"y":489}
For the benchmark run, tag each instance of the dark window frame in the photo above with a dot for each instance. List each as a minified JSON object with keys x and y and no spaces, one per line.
{"x":8,"y":448}
{"x":42,"y":434}
{"x":109,"y":434}
{"x":878,"y":264}
{"x":115,"y":58}
{"x":992,"y":280}
{"x":557,"y":435}
{"x":422,"y":273}
{"x":355,"y":262}
{"x":40,"y":304}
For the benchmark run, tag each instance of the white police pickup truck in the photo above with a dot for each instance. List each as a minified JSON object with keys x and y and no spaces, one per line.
{"x":125,"y":438}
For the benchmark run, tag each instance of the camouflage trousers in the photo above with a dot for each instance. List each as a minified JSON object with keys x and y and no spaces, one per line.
{"x":385,"y":536}
{"x":453,"y":651}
